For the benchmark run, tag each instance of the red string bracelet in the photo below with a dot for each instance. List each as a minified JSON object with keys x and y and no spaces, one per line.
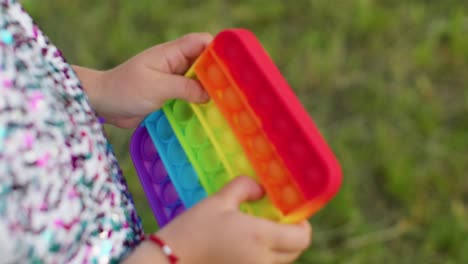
{"x":164,"y":247}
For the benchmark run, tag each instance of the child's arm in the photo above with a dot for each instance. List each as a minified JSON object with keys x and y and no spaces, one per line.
{"x":215,"y":231}
{"x":126,"y":94}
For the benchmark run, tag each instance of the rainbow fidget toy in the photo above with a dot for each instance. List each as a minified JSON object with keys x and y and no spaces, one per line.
{"x":254,"y":125}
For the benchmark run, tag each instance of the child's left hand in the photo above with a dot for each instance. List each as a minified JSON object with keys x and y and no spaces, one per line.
{"x":123,"y":96}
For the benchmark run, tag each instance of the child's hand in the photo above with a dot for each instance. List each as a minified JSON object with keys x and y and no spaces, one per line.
{"x":215,"y":231}
{"x":126,"y":94}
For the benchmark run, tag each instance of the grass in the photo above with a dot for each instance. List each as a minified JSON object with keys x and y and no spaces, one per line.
{"x":385,"y":81}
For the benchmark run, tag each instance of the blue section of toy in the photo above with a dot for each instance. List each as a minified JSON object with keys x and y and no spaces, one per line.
{"x":183,"y":176}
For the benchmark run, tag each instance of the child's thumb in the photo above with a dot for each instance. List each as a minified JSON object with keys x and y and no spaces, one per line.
{"x":239,"y":190}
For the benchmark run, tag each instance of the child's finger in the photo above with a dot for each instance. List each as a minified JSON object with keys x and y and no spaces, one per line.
{"x":183,"y":88}
{"x":181,"y":53}
{"x":240,"y":190}
{"x":289,"y":238}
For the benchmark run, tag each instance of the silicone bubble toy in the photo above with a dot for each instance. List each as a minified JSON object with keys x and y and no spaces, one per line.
{"x":254,"y":125}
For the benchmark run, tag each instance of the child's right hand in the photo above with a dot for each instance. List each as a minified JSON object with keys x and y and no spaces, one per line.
{"x":215,"y":231}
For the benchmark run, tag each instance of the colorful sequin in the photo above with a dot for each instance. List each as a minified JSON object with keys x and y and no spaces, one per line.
{"x":62,"y":195}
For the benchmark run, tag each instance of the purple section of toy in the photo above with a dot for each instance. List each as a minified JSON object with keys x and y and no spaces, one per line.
{"x":161,"y":194}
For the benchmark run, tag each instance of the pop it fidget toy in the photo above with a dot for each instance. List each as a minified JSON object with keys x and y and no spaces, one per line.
{"x":256,"y":126}
{"x":161,"y":194}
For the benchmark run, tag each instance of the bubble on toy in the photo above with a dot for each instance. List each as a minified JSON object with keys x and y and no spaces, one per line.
{"x":276,"y":171}
{"x":262,"y":147}
{"x":229,"y":141}
{"x":188,"y":177}
{"x":246,"y":122}
{"x":219,"y":180}
{"x":159,"y":172}
{"x":181,"y":111}
{"x":216,"y":75}
{"x":148,"y":151}
{"x":242,"y":165}
{"x":195,"y":134}
{"x":209,"y":159}
{"x":169,"y":194}
{"x":231,"y":99}
{"x":176,"y":153}
{"x":163,"y":129}
{"x":289,"y":195}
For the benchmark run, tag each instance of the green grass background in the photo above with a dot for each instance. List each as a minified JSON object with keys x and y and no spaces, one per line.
{"x":385,"y":81}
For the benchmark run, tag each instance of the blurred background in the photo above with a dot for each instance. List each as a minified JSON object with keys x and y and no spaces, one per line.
{"x":385,"y":81}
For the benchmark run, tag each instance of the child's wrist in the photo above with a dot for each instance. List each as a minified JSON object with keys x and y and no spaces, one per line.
{"x":93,"y":82}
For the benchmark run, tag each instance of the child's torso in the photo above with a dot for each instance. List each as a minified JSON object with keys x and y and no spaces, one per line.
{"x":62,"y":195}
